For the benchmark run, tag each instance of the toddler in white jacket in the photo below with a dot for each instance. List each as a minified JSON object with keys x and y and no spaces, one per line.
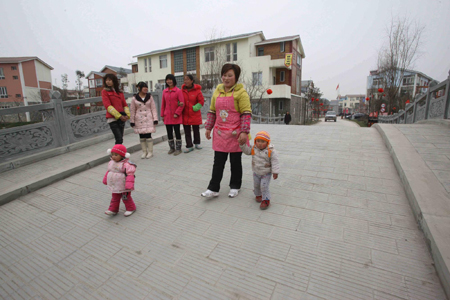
{"x":265,"y":165}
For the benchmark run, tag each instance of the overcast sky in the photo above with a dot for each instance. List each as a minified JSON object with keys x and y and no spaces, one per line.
{"x":340,"y":38}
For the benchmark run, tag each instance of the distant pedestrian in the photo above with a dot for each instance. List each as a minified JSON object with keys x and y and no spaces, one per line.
{"x":287,"y":118}
{"x":172,"y":106}
{"x":192,"y":116}
{"x":265,"y":165}
{"x":144,"y":118}
{"x":230,"y":116}
{"x":120,"y":180}
{"x":117,"y":110}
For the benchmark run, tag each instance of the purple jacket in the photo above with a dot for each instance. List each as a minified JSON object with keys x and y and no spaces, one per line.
{"x":170,"y":106}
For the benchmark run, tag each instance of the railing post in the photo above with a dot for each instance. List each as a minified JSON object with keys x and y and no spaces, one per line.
{"x":427,"y":104}
{"x":447,"y":98}
{"x":61,"y":129}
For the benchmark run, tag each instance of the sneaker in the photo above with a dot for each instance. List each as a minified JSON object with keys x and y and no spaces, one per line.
{"x":110,"y":213}
{"x":264,"y":204}
{"x":210,"y":194}
{"x":233,"y":193}
{"x":128,"y":213}
{"x":189,"y":150}
{"x":258,"y":199}
{"x":198,"y":147}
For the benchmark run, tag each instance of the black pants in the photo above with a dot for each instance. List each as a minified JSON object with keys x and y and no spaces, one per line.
{"x":170,"y":129}
{"x":117,"y":128}
{"x":220,"y":158}
{"x":145,"y":135}
{"x":188,"y":136}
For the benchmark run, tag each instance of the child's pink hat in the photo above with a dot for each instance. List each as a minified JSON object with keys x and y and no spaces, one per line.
{"x":119,"y":149}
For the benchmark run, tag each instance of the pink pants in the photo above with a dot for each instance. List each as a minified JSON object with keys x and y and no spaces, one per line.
{"x":115,"y":202}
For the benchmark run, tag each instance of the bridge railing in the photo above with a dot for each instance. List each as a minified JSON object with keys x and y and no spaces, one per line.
{"x":266,"y":119}
{"x":435,"y":104}
{"x":58,"y":123}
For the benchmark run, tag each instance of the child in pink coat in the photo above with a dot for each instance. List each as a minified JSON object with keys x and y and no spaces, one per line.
{"x":120,"y":180}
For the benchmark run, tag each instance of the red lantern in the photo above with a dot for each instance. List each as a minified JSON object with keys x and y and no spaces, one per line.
{"x":407,"y":101}
{"x":269,"y":91}
{"x":367,"y":99}
{"x":384,"y":95}
{"x":317,"y":99}
{"x":394,"y":108}
{"x":78,"y":107}
{"x":312,"y":99}
{"x":380,"y":90}
{"x":321,"y":104}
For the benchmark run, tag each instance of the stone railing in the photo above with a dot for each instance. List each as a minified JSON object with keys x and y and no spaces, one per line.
{"x":435,"y":104}
{"x":59,"y":124}
{"x":260,"y":119}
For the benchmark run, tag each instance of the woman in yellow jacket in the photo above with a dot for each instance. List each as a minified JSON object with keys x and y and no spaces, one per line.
{"x":230,"y":117}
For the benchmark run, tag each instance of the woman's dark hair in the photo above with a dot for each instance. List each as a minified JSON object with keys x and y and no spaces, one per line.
{"x":190,"y":77}
{"x":236,"y":69}
{"x":171,"y":77}
{"x":114,"y":80}
{"x":141,"y":85}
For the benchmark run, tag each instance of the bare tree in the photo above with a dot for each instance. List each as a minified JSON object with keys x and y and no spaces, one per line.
{"x":79,"y":83}
{"x":256,"y":89}
{"x":216,"y":57}
{"x":400,"y":51}
{"x":64,"y":85}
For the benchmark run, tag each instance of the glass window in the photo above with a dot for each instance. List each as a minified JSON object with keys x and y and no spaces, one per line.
{"x":178,"y":61}
{"x":299,"y":59}
{"x":280,"y":105}
{"x":228,"y":52}
{"x":145,"y":65}
{"x":191,"y":59}
{"x":2,"y":75}
{"x":149,"y":64}
{"x":260,"y":51}
{"x":282,"y":76}
{"x":18,"y":95}
{"x":3,"y":92}
{"x":99,"y":82}
{"x":162,"y":61}
{"x":15,"y":77}
{"x":282,"y":48}
{"x":257,"y":78}
{"x":162,"y":83}
{"x":150,"y":87}
{"x":209,"y":54}
{"x":13,"y":68}
{"x":180,"y":80}
{"x":91,"y":83}
{"x":235,"y":51}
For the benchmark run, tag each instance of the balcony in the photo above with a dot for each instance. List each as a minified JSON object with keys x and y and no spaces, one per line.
{"x":279,"y":91}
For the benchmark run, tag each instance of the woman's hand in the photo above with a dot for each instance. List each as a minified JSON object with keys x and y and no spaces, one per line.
{"x":175,"y":115}
{"x":123,"y":118}
{"x":208,"y":134}
{"x":243,"y":137}
{"x":275,"y":176}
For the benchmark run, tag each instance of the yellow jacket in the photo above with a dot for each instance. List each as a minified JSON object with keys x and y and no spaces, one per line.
{"x":241,"y":98}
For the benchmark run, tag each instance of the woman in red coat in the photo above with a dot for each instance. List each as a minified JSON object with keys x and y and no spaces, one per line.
{"x":117,"y":111}
{"x":172,"y":106}
{"x":192,"y":115}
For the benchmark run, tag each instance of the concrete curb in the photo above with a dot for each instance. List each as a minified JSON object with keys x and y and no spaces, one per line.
{"x":426,"y":195}
{"x":32,"y":185}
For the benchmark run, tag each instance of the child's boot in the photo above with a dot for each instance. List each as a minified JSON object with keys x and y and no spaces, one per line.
{"x":264,"y":204}
{"x":258,"y":199}
{"x":178,"y":148}
{"x":144,"y":148}
{"x":172,"y":146}
{"x":128,"y":213}
{"x":110,"y":213}
{"x":149,"y":148}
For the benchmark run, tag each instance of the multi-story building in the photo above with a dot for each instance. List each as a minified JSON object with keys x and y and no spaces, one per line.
{"x":350,"y":103}
{"x":412,"y":83}
{"x":262,"y":62}
{"x":95,"y":79}
{"x":24,"y":80}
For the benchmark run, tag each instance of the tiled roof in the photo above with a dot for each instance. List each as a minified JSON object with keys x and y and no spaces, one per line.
{"x":117,"y":69}
{"x":12,"y":60}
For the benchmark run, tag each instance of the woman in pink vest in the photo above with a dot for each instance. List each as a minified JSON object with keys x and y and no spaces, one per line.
{"x":230,"y":117}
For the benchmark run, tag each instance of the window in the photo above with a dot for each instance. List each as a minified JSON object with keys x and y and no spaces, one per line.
{"x":282,"y":48}
{"x":162,"y":83}
{"x":150,"y":86}
{"x":280,"y":105}
{"x":232,"y":53}
{"x":145,"y":65}
{"x":298,"y":84}
{"x":408,"y":80}
{"x":99,"y":82}
{"x":178,"y":61}
{"x":191,"y":59}
{"x":3,"y":92}
{"x":209,"y":54}
{"x":15,"y":77}
{"x":149,"y":64}
{"x":257,"y":78}
{"x":377,"y":81}
{"x":2,"y":75}
{"x":299,"y":60}
{"x":13,"y":68}
{"x":18,"y":95}
{"x":91,"y":83}
{"x":260,"y":51}
{"x":180,"y":80}
{"x":162,"y":61}
{"x":282,"y":76}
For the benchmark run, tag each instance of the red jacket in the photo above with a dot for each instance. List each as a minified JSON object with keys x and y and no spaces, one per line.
{"x":192,"y":97}
{"x":169,"y":106}
{"x":111,"y":98}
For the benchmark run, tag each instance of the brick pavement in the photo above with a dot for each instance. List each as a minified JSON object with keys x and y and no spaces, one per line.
{"x":340,"y":227}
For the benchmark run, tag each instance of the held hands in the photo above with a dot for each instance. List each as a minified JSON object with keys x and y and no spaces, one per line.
{"x":123,"y":118}
{"x":275,"y":176}
{"x":208,"y":134}
{"x":243,"y":137}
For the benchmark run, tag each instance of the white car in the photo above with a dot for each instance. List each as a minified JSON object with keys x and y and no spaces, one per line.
{"x":330,"y":115}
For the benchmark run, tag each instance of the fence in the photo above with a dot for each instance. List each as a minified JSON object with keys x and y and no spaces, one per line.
{"x":435,"y":104}
{"x":260,"y":119}
{"x":60,"y":123}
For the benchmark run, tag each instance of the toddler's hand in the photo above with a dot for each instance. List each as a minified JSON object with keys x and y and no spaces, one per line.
{"x":208,"y":134}
{"x":275,"y":176}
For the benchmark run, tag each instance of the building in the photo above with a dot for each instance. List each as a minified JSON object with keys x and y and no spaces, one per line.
{"x":95,"y":79}
{"x":412,"y":84}
{"x":351,"y":103}
{"x":24,"y":81}
{"x":262,"y":62}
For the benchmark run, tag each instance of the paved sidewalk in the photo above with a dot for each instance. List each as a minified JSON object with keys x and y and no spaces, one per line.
{"x":340,"y":227}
